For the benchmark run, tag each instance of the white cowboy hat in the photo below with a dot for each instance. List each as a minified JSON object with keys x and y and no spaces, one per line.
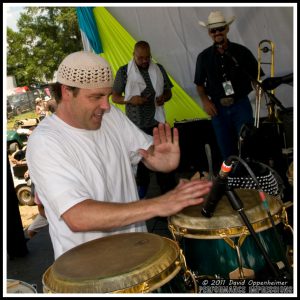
{"x":216,"y":19}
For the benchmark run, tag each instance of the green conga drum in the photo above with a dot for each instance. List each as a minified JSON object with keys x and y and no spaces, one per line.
{"x":221,"y":246}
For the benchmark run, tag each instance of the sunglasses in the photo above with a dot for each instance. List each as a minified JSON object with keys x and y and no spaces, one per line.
{"x":220,"y":29}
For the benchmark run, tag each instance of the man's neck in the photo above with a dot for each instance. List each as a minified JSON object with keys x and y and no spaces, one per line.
{"x":143,"y":69}
{"x":221,"y":47}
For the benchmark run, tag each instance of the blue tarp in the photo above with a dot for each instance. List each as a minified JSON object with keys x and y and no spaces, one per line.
{"x":88,"y":25}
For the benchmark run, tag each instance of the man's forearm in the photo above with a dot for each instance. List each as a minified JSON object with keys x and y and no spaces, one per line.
{"x":167,"y":95}
{"x":202,"y":93}
{"x":119,"y":99}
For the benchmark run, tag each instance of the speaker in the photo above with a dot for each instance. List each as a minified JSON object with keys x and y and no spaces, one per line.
{"x":194,"y":134}
{"x":265,"y":144}
{"x":286,"y":117}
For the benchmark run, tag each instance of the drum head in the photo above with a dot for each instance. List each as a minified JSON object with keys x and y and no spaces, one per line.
{"x":125,"y":263}
{"x":191,"y":223}
{"x":19,"y":287}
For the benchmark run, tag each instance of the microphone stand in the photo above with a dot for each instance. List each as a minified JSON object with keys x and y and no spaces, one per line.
{"x":237,"y":205}
{"x":270,"y":95}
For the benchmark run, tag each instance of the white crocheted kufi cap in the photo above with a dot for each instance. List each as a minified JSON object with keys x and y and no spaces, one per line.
{"x":86,"y":70}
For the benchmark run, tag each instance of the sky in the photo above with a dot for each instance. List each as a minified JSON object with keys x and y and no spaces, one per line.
{"x":12,"y":15}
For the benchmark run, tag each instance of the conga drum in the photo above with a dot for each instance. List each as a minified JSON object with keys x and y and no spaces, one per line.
{"x":221,"y":246}
{"x":14,"y":286}
{"x":121,"y":263}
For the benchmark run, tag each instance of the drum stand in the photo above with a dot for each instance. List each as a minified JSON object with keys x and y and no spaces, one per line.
{"x":237,"y":205}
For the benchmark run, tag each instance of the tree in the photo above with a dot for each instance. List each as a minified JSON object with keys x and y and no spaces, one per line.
{"x":46,"y":35}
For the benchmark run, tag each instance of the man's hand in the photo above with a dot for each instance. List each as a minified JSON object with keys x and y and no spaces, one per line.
{"x":209,"y":107}
{"x":138,"y":100}
{"x":187,"y":193}
{"x":164,"y":154}
{"x":160,"y":100}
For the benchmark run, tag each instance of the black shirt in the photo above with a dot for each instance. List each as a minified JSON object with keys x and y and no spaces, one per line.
{"x":238,"y":66}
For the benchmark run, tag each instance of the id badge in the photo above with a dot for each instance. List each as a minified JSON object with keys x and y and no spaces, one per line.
{"x":228,"y":88}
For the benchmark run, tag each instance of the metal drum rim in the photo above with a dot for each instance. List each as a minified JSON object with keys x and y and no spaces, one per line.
{"x":168,"y":268}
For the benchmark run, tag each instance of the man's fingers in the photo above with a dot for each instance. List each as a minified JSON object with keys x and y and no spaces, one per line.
{"x":168,"y":133}
{"x":156,"y":138}
{"x":175,"y":136}
{"x":162,"y":132}
{"x":194,"y":185}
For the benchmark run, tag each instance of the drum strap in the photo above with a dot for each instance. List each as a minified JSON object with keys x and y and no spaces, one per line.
{"x":188,"y":274}
{"x":284,"y":217}
{"x":231,"y":243}
{"x":240,"y":272}
{"x":173,"y":230}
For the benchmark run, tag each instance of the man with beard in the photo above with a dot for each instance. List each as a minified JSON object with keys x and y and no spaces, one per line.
{"x":143,"y":87}
{"x":225,"y":75}
{"x":87,"y":184}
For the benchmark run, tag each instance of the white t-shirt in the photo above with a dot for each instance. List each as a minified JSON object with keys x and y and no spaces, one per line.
{"x":69,"y":165}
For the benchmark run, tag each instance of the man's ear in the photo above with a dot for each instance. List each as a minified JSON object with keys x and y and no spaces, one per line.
{"x":65,"y":91}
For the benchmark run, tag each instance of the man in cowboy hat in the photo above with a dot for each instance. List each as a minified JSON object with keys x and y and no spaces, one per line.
{"x":223,"y":76}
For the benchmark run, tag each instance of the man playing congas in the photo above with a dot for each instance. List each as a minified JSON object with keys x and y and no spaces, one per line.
{"x":82,"y":159}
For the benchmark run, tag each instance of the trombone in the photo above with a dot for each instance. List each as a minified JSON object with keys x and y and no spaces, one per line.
{"x":265,"y":47}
